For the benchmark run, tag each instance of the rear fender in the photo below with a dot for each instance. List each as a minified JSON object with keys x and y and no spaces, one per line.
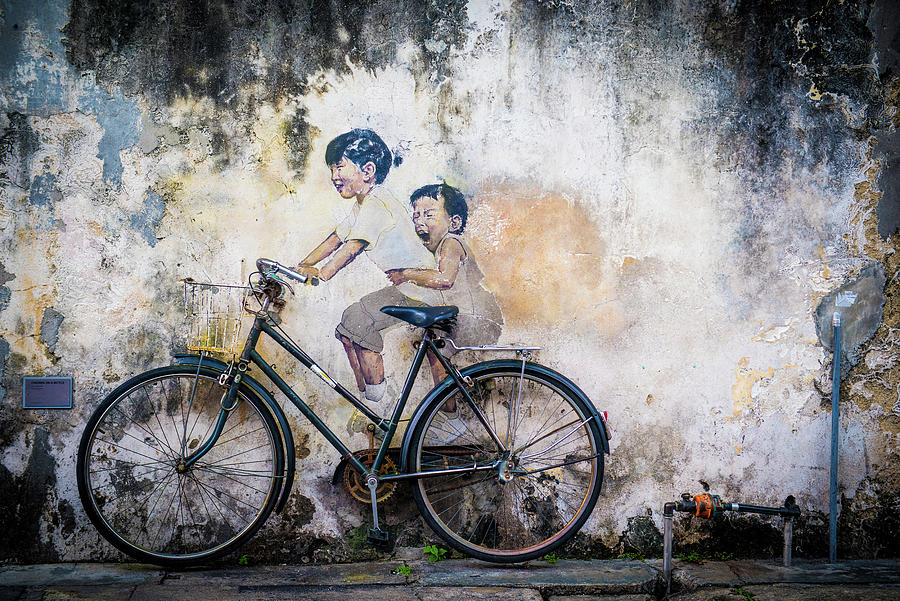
{"x":286,"y":434}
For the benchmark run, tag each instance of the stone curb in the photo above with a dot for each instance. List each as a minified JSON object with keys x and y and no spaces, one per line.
{"x":566,"y":580}
{"x":691,"y":576}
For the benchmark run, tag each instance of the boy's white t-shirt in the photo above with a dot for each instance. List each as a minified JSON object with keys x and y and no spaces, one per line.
{"x":385,"y":225}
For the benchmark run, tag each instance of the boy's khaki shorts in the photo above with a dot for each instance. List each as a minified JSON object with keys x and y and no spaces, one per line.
{"x":363,"y":322}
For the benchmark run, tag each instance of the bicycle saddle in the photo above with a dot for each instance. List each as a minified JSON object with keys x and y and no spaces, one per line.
{"x":423,"y":317}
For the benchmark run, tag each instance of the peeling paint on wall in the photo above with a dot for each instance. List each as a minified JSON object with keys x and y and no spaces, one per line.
{"x":146,"y":219}
{"x":50,"y":322}
{"x":747,"y":382}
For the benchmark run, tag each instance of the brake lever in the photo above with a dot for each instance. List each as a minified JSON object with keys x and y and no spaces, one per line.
{"x":273,"y":275}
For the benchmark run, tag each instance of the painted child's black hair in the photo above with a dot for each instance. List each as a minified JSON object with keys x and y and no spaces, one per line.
{"x":361,"y":146}
{"x":454,"y":201}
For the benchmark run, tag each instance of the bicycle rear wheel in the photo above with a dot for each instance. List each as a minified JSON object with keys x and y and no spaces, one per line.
{"x":147,"y":505}
{"x":538,"y":494}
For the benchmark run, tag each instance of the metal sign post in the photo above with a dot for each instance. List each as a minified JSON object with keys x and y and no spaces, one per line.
{"x":844,"y":300}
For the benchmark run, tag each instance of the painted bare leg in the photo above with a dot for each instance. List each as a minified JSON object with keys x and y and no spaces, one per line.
{"x":350,"y":349}
{"x":371,"y":364}
{"x":438,"y":373}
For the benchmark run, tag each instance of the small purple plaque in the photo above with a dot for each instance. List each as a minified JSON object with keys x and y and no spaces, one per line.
{"x":46,"y":393}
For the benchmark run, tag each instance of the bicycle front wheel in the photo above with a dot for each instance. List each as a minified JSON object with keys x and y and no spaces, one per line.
{"x":138,"y":493}
{"x":522,"y":503}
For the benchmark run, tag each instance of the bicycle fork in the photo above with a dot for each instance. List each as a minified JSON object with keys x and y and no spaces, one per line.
{"x":229,"y":400}
{"x":227,"y":405}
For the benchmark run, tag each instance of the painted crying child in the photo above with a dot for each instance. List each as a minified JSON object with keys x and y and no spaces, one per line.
{"x":439,"y":216}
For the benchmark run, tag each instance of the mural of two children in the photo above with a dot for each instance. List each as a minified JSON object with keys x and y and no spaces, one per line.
{"x":425,"y":258}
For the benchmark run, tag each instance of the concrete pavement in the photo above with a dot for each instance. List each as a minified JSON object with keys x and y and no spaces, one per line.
{"x":566,"y":580}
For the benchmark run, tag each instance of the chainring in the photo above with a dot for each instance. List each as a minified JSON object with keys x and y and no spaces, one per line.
{"x":356,"y":482}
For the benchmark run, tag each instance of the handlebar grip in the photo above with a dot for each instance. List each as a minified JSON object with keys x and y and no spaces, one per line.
{"x":292,"y":274}
{"x":270,"y":265}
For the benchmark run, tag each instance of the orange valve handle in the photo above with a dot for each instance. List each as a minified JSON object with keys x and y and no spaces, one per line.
{"x":708,"y":505}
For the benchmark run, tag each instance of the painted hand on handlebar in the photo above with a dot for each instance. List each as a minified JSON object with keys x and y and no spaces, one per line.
{"x":269,"y":267}
{"x":307,"y":270}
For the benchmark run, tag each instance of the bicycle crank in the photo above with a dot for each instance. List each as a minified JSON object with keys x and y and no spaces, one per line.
{"x":356,"y":482}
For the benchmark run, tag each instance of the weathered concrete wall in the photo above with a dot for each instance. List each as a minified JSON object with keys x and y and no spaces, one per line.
{"x":661,"y":194}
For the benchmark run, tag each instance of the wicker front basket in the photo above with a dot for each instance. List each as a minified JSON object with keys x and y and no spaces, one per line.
{"x":214,"y":314}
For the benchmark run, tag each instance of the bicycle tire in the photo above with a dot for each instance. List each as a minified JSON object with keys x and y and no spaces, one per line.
{"x":478,"y":513}
{"x":132,"y":490}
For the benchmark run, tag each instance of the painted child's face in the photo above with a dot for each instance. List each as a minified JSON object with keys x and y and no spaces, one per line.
{"x":348,"y":179}
{"x":431,"y":221}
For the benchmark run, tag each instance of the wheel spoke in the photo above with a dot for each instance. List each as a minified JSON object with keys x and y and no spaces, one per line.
{"x":205,"y":491}
{"x":163,"y":444}
{"x":131,"y":450}
{"x":230,"y":476}
{"x":225,"y":493}
{"x":155,"y":412}
{"x":558,"y":442}
{"x":242,"y":452}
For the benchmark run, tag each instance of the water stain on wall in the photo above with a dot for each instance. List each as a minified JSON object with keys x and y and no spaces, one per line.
{"x":216,"y":48}
{"x":22,"y":516}
{"x":4,"y":356}
{"x":17,"y":146}
{"x":888,"y":147}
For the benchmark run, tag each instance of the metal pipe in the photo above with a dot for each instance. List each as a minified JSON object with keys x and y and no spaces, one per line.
{"x":782,"y":511}
{"x":835,"y":415}
{"x":788,"y":540}
{"x":708,"y":506}
{"x":668,"y":514}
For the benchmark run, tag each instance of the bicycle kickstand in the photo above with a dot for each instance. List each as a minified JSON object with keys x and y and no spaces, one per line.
{"x":378,"y":538}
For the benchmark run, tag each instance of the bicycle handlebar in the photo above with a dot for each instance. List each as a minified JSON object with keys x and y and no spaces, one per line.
{"x":268,"y":265}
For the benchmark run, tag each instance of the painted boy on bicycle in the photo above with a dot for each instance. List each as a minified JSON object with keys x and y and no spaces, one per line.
{"x":379,"y":226}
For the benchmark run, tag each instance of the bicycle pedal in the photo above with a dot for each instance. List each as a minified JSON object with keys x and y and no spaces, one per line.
{"x":380,"y":539}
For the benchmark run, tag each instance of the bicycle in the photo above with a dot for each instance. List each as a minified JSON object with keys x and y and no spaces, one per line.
{"x":182,"y":464}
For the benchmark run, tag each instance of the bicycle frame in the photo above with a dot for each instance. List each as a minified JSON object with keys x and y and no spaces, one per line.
{"x":250,"y":355}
